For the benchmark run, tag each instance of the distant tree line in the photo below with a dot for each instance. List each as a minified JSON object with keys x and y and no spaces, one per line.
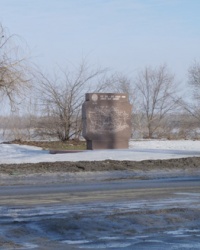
{"x":51,"y":104}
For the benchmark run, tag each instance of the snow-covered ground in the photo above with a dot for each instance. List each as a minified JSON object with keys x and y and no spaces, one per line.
{"x":138,"y":151}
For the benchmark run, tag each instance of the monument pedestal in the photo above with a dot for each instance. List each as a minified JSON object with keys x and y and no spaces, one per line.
{"x":93,"y":144}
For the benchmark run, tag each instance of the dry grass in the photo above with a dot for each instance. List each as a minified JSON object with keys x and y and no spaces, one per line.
{"x":57,"y":145}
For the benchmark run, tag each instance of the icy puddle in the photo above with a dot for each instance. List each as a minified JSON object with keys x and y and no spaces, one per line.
{"x":170,"y":223}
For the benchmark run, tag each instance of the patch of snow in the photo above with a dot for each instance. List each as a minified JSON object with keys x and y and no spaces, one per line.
{"x":138,"y":151}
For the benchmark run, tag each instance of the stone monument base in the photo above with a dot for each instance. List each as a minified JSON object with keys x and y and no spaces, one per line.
{"x":94,"y":144}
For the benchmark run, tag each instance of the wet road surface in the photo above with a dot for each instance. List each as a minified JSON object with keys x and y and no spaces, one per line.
{"x":148,"y":214}
{"x":112,"y":190}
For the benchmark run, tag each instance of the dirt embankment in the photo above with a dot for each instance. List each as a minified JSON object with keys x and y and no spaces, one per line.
{"x":191,"y":163}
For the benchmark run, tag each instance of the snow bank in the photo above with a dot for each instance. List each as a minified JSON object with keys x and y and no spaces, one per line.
{"x":138,"y":151}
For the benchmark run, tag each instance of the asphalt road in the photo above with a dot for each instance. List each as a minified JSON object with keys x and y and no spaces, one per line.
{"x":89,"y":192}
{"x":132,"y":214}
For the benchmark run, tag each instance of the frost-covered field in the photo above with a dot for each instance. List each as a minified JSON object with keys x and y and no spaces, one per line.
{"x":138,"y":150}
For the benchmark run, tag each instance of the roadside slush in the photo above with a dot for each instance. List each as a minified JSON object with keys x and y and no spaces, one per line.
{"x":92,"y":171}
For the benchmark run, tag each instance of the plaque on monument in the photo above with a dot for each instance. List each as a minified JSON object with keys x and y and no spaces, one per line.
{"x":106,"y":120}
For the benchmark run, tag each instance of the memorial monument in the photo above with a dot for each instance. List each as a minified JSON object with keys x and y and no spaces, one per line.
{"x":106,"y":120}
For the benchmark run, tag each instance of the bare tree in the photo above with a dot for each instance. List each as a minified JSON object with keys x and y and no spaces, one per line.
{"x":13,"y":70}
{"x":194,"y":78}
{"x":156,"y":89}
{"x":121,"y":83}
{"x":61,"y":98}
{"x":193,"y":106}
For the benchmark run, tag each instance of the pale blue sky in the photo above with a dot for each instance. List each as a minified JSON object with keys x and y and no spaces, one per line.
{"x":124,"y":35}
